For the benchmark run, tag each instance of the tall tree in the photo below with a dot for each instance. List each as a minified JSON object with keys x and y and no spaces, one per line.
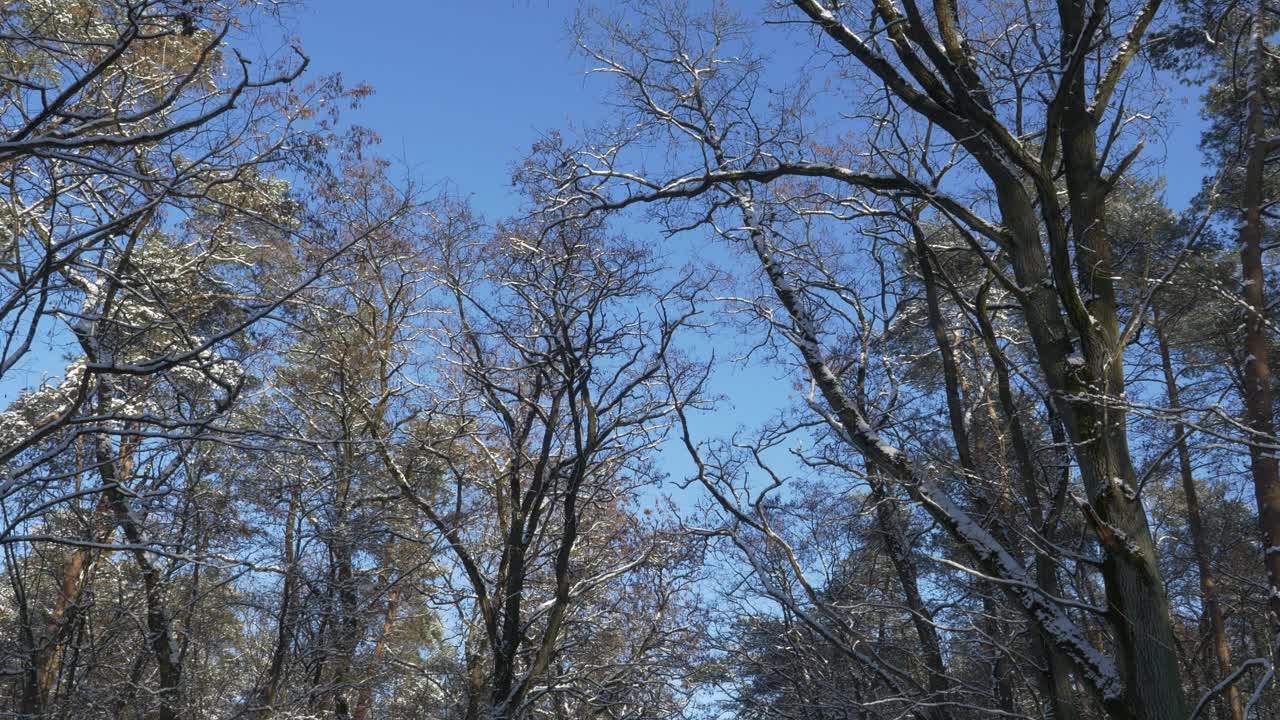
{"x":1017,"y":144}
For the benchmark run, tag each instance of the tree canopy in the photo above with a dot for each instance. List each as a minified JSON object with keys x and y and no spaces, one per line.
{"x":317,"y":439}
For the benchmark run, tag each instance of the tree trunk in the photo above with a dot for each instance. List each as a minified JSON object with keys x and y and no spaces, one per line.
{"x":284,"y":627}
{"x":47,"y":656}
{"x":364,"y":700}
{"x":1056,"y":683}
{"x":1257,"y":365}
{"x":1199,"y":545}
{"x":1092,"y":405}
{"x":346,"y":627}
{"x":889,"y":524}
{"x":159,"y":635}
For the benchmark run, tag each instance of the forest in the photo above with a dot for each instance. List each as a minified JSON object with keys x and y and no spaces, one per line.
{"x":291,"y":429}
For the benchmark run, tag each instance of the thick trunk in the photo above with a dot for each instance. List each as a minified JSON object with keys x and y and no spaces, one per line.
{"x":1081,"y":385}
{"x":1257,"y":365}
{"x":476,"y":675}
{"x":1139,"y":610}
{"x":507,"y":646}
{"x":1093,"y":404}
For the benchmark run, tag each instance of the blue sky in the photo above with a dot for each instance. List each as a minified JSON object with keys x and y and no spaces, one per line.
{"x":462,"y":89}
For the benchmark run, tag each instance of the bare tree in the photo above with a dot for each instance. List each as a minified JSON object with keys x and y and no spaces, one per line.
{"x":1015,"y":138}
{"x":554,"y":353}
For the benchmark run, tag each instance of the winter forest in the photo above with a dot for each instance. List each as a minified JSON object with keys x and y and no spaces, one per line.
{"x":853,"y":364}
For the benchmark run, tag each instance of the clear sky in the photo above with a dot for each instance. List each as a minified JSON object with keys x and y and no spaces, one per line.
{"x":462,"y":89}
